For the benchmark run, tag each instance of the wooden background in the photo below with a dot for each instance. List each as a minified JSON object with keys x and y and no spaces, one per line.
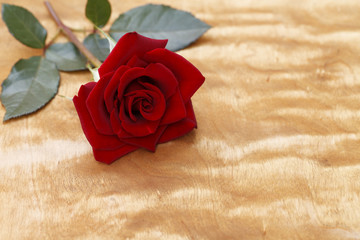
{"x":276,"y":154}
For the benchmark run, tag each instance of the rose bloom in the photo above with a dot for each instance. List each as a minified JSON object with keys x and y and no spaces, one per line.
{"x":142,"y":98}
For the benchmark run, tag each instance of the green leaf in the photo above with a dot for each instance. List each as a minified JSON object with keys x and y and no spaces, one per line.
{"x":24,"y":26}
{"x":98,"y":11}
{"x":66,"y":57}
{"x":160,"y":22}
{"x":31,"y":84}
{"x":98,"y":46}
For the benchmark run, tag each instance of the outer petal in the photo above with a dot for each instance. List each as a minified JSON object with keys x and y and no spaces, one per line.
{"x":111,"y":88}
{"x":135,"y":61}
{"x":189,"y":77}
{"x":149,"y":142}
{"x":175,"y":110}
{"x":96,"y":140}
{"x":112,"y":155}
{"x":129,"y":45}
{"x":96,"y":106}
{"x":180,"y":128}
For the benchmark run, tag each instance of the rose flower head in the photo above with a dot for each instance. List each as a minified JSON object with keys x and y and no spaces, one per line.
{"x":142,"y":98}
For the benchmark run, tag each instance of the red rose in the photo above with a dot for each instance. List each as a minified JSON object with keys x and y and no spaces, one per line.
{"x":142,"y":98}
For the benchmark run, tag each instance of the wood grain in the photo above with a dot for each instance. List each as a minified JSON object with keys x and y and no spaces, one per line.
{"x":276,"y":154}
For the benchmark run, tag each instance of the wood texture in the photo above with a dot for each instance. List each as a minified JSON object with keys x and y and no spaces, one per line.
{"x":276,"y":154}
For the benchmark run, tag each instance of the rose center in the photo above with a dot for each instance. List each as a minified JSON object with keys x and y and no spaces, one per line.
{"x":144,"y":100}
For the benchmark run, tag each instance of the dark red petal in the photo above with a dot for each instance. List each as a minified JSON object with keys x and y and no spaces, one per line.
{"x":96,"y":140}
{"x":159,"y":103}
{"x":112,"y":155}
{"x":133,"y":102}
{"x":189,"y":77}
{"x":109,"y":94}
{"x":180,"y":128}
{"x":138,"y":128}
{"x":135,"y":61}
{"x":129,"y":45}
{"x":175,"y":110}
{"x":116,"y":124}
{"x":129,"y":109}
{"x":149,"y":142}
{"x":133,"y":86}
{"x":129,"y":76}
{"x":96,"y":106}
{"x":163,"y":78}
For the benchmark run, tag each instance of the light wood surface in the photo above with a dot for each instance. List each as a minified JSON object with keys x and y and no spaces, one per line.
{"x":276,"y":154}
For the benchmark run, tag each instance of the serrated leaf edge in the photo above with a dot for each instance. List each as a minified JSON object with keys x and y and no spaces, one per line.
{"x":35,"y":37}
{"x":7,"y":117}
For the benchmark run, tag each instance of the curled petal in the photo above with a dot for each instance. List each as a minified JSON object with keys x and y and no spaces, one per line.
{"x":138,"y":128}
{"x":128,"y":77}
{"x":95,"y":104}
{"x":180,"y":128}
{"x":163,"y":78}
{"x":158,"y":104}
{"x":96,"y":139}
{"x":128,"y":106}
{"x":109,"y":94}
{"x":175,"y":110}
{"x":116,"y":125}
{"x":189,"y":77}
{"x":129,"y":45}
{"x":135,"y":61}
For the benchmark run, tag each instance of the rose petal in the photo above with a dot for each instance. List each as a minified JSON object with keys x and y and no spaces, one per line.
{"x":96,"y":140}
{"x":129,"y":76}
{"x":134,"y":86}
{"x":133,"y":101}
{"x":180,"y":128}
{"x":116,"y":124}
{"x":175,"y":110}
{"x":149,"y":142}
{"x":129,"y":45}
{"x":138,"y":128}
{"x":163,"y":78}
{"x":158,"y":103}
{"x":109,"y":94}
{"x":128,"y":106}
{"x":96,"y":106}
{"x":122,"y":134}
{"x":112,"y":155}
{"x":135,"y":61}
{"x":189,"y":77}
{"x":159,"y":74}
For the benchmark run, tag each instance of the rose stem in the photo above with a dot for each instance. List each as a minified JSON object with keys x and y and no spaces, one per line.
{"x":94,"y":61}
{"x":68,"y":98}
